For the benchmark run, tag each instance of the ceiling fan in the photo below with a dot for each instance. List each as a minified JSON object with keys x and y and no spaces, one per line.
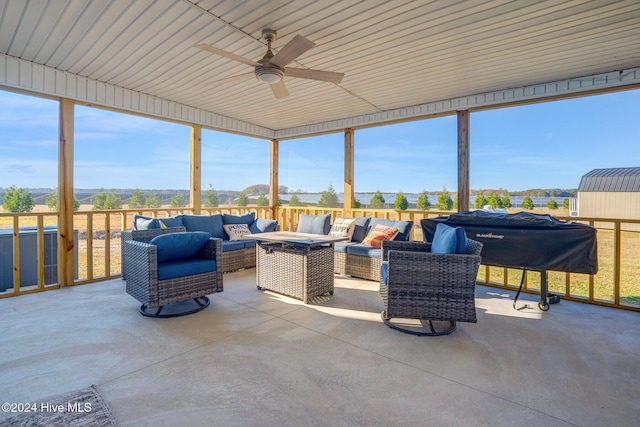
{"x":272,"y":68}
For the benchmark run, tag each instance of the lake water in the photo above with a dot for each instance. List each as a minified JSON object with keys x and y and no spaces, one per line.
{"x":412,"y":198}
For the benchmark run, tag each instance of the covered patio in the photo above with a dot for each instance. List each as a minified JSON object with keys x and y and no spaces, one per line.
{"x":258,"y":358}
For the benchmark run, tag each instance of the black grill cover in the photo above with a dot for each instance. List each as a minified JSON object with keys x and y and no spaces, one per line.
{"x":525,"y":240}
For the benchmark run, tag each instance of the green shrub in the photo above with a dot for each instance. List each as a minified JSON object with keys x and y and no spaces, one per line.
{"x":423,"y":202}
{"x":444,"y":202}
{"x":377,"y":201}
{"x":177,"y":201}
{"x":211,"y":198}
{"x":328,"y":198}
{"x":17,"y":200}
{"x":527,"y":203}
{"x":401,"y":202}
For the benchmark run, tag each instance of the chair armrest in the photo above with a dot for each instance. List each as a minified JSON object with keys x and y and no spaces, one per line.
{"x":212,"y":249}
{"x":406,"y":246}
{"x":142,"y":261}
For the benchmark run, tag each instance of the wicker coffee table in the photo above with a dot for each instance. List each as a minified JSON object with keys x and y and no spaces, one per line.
{"x":298,"y":265}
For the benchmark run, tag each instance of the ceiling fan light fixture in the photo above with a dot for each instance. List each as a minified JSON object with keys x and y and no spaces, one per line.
{"x":269,"y":75}
{"x":271,"y":68}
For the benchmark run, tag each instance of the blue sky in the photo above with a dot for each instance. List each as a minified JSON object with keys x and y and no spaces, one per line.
{"x":545,"y":145}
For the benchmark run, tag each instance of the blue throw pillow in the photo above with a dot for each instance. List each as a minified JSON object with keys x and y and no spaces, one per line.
{"x":179,"y":245}
{"x":262,"y":225}
{"x":145,"y":223}
{"x":444,"y":240}
{"x":239,"y":219}
{"x":212,"y":224}
{"x":314,"y":224}
{"x":174,"y":221}
{"x":461,"y":241}
{"x":360,"y":231}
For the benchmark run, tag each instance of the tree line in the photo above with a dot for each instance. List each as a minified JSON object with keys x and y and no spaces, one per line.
{"x":17,"y":200}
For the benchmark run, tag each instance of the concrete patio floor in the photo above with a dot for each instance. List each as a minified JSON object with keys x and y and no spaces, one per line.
{"x":258,"y":358}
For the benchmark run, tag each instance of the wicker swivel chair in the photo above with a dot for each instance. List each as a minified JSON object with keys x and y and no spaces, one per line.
{"x":156,"y":286}
{"x":428,"y":286}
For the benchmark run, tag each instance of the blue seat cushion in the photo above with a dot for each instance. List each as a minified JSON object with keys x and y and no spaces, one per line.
{"x":360,"y":231}
{"x":239,"y":219}
{"x":364,"y":250}
{"x":404,"y":226}
{"x":212,"y":224}
{"x":185,"y":267}
{"x":180,"y":245}
{"x":449,"y":240}
{"x":384,"y":272}
{"x":228,"y":246}
{"x":314,"y":224}
{"x":249,"y":244}
{"x":341,"y":246}
{"x":262,"y":225}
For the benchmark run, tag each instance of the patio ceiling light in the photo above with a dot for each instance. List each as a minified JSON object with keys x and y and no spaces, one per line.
{"x":269,"y":74}
{"x":271,"y":68}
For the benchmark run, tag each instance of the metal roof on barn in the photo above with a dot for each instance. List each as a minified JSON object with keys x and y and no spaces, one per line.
{"x":611,"y":179}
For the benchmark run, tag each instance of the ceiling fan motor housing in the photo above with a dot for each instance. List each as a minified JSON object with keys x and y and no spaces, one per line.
{"x":273,"y":73}
{"x":265,"y":70}
{"x":269,"y":74}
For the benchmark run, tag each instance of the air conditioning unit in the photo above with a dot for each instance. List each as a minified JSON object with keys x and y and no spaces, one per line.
{"x":29,"y":256}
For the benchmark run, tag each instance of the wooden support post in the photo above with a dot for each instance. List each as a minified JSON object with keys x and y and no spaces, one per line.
{"x":273,"y":178}
{"x":463,"y":161}
{"x":195,"y":193}
{"x":66,"y":268}
{"x":347,"y":210}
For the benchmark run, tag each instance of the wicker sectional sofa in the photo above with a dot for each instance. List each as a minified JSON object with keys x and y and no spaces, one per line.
{"x":359,"y":260}
{"x":236,"y":255}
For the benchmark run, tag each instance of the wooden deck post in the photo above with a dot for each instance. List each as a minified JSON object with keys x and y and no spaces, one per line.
{"x":195,"y":193}
{"x":66,"y":268}
{"x":273,"y":178}
{"x":463,"y":161}
{"x":347,"y":210}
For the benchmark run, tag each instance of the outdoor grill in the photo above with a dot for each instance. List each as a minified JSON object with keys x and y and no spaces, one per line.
{"x":526,"y":241}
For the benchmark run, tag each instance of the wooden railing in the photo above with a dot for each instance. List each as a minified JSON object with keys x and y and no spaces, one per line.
{"x":617,"y":283}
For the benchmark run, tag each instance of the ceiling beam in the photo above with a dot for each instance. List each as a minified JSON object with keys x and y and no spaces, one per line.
{"x":561,"y":89}
{"x":31,"y":77}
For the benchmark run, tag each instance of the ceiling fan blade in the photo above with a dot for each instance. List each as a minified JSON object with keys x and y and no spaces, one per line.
{"x":325,"y":76}
{"x":279,"y":89}
{"x":226,"y":54}
{"x":244,"y":76}
{"x":296,"y":47}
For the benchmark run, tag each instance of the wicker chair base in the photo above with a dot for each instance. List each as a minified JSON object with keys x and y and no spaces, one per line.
{"x":238,"y":260}
{"x":420,"y":332}
{"x":249,"y":257}
{"x":201,"y":304}
{"x":362,"y":267}
{"x":232,"y":261}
